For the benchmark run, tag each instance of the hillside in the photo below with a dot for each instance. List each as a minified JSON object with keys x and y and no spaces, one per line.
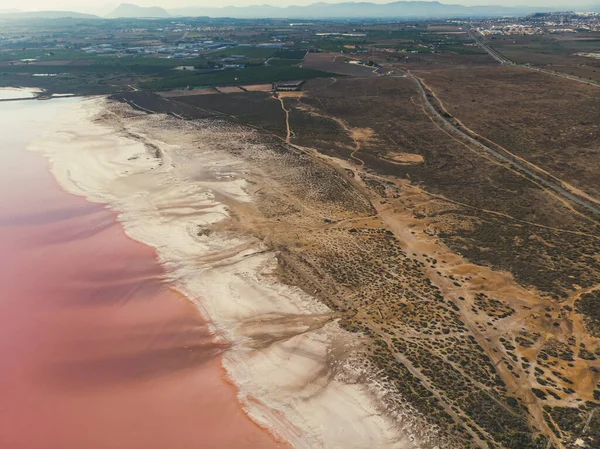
{"x":359,"y":10}
{"x":46,"y":15}
{"x":130,"y":10}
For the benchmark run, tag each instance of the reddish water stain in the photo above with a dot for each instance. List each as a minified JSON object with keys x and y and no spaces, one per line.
{"x":95,"y":350}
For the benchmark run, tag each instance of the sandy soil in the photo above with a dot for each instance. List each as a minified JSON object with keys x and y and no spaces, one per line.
{"x":259,"y":88}
{"x":407,"y":158}
{"x":7,"y":93}
{"x":297,"y":94}
{"x":175,"y":191}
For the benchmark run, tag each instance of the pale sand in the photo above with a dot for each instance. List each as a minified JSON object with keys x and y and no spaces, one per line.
{"x":259,"y":87}
{"x":7,"y":93}
{"x":284,"y":342}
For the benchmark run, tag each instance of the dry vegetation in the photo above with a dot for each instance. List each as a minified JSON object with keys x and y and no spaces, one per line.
{"x":552,"y":122}
{"x":476,"y":288}
{"x":555,"y":52}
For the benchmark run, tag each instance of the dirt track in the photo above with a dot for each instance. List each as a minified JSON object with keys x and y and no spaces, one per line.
{"x":541,"y":176}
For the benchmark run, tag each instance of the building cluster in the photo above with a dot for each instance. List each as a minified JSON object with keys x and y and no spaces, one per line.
{"x":12,"y":41}
{"x":288,"y":86}
{"x":540,"y":23}
{"x":510,"y":30}
{"x":341,"y":34}
{"x":565,"y":22}
{"x":179,"y":51}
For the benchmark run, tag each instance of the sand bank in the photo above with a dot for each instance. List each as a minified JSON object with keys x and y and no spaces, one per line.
{"x":170,"y":189}
{"x":8,"y":93}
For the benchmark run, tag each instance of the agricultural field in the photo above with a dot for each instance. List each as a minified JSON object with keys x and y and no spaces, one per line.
{"x":251,"y":75}
{"x":110,"y":56}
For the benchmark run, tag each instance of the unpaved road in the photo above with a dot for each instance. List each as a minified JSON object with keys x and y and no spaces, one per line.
{"x":525,"y":167}
{"x":505,"y":61}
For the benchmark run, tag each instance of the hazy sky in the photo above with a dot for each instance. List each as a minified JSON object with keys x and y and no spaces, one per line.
{"x":103,"y":6}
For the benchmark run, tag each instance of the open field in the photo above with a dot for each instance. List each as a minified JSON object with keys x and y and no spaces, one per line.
{"x":250,"y":52}
{"x":283,"y":62}
{"x":552,"y":123}
{"x":551,"y":52}
{"x":333,"y":63}
{"x":252,"y":75}
{"x":464,"y":274}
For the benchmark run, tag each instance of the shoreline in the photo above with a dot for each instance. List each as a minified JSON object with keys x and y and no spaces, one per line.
{"x":256,"y":318}
{"x":19,"y":93}
{"x":131,"y":361}
{"x":277,"y":440}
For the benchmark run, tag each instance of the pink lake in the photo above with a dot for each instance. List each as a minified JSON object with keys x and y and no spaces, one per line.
{"x":95,"y":350}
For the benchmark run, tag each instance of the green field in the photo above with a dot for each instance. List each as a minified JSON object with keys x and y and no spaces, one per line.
{"x":290,"y":54}
{"x":339,"y":44}
{"x":249,"y":52}
{"x":408,"y":34}
{"x":127,"y":65}
{"x":284,"y":62}
{"x":262,"y":74}
{"x":45,"y":54}
{"x":463,"y":49}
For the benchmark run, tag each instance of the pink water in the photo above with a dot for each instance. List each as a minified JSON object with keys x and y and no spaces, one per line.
{"x":95,"y":350}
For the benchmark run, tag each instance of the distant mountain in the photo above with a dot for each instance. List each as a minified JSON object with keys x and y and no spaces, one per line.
{"x":399,"y":9}
{"x":46,"y":15}
{"x":134,"y":11}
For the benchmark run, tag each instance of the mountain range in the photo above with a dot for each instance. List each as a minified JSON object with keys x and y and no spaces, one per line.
{"x":347,"y":10}
{"x":15,"y":14}
{"x":130,"y":10}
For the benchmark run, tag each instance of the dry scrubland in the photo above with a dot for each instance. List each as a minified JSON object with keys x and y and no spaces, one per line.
{"x":558,"y":52}
{"x":550,"y":121}
{"x":474,"y":289}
